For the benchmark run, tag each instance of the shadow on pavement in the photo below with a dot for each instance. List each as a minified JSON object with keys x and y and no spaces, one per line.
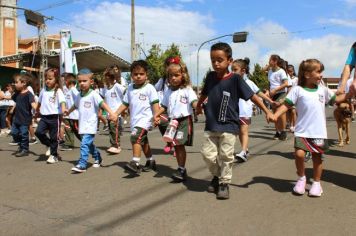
{"x":340,"y":179}
{"x":280,"y":185}
{"x":288,"y":155}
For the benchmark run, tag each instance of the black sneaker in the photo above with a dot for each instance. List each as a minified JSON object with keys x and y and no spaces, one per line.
{"x":105,"y":128}
{"x":223,"y":192}
{"x":150,"y":165}
{"x":179,"y":175}
{"x":283,"y":136}
{"x":133,"y":167}
{"x":214,"y":185}
{"x":64,"y":147}
{"x":13,"y":143}
{"x":276,"y":136}
{"x":32,"y":141}
{"x":22,"y":154}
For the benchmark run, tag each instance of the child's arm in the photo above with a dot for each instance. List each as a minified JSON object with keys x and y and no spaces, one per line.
{"x":199,"y":108}
{"x":280,"y":110}
{"x":279,"y":88}
{"x":265,"y":97}
{"x":121,"y":108}
{"x":63,"y":107}
{"x":157,"y":116}
{"x":259,"y":103}
{"x":341,"y":97}
{"x":112,"y":115}
{"x":34,"y":105}
{"x":67,"y":112}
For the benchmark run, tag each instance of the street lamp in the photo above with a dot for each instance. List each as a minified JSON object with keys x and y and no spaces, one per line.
{"x":237,"y":37}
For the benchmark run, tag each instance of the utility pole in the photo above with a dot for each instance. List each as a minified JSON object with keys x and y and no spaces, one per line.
{"x":133,"y":41}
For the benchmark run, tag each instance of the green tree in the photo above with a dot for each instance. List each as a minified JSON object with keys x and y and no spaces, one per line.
{"x":259,"y":77}
{"x":156,"y":58}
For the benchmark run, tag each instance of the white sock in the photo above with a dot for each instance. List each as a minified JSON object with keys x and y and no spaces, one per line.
{"x":181,"y":167}
{"x":302,"y":177}
{"x":136,"y":159}
{"x":150,"y":158}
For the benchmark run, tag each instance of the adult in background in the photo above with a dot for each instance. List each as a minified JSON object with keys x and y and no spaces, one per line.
{"x":346,"y":73}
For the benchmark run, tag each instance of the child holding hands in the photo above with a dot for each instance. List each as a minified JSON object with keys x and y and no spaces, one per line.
{"x":179,"y":101}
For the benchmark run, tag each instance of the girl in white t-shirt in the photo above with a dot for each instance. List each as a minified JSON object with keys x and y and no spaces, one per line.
{"x":179,"y":101}
{"x":309,"y":98}
{"x":241,"y":67}
{"x":51,"y":103}
{"x":113,"y":96}
{"x":292,"y":114}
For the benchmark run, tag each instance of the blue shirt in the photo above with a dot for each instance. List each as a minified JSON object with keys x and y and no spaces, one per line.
{"x":222,"y":114}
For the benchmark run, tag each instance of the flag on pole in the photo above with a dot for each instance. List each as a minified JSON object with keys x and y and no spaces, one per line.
{"x":68,"y":62}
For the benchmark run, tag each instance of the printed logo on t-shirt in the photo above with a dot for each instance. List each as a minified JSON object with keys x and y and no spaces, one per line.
{"x":183,"y":99}
{"x":142,"y":97}
{"x":51,"y":99}
{"x":87,"y":104}
{"x":68,"y":96}
{"x":321,"y":98}
{"x":223,"y":106}
{"x":113,"y":95}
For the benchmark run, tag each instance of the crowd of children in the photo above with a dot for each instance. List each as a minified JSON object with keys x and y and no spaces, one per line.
{"x":226,"y":98}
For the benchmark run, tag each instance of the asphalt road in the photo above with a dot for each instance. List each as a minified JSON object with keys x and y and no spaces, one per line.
{"x":41,"y":199}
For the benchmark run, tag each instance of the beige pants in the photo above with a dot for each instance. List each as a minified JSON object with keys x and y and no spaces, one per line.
{"x":218,"y":153}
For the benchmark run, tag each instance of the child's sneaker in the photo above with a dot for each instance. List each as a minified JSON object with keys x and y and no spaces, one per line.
{"x":150,"y":165}
{"x":214,"y":185}
{"x":52,"y":159}
{"x":283,"y":136}
{"x":133,"y":167}
{"x":13,"y":143}
{"x":223,"y":192}
{"x":179,"y":175}
{"x":114,"y":150}
{"x":315,"y":190}
{"x":79,"y":169}
{"x":32,"y":141}
{"x":64,"y":147}
{"x":241,"y":156}
{"x":167,"y":148}
{"x":105,"y":128}
{"x":97,"y":163}
{"x":276,"y":136}
{"x":299,"y":187}
{"x":22,"y":154}
{"x":48,"y":152}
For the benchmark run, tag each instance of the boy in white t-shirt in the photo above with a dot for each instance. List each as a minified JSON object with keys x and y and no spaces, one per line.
{"x":113,"y":96}
{"x":88,"y":104}
{"x":141,"y":97}
{"x":70,"y":122}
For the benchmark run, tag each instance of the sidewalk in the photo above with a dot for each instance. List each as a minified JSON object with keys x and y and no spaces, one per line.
{"x":41,"y":199}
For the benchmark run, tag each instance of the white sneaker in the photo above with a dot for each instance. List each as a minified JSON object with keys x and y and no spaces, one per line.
{"x":242,"y":155}
{"x":125,"y":122}
{"x":315,"y":190}
{"x":48,"y":152}
{"x":114,"y":150}
{"x":52,"y":159}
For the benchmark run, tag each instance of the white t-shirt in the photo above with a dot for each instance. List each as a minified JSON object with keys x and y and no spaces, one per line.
{"x":161,"y":88}
{"x":88,"y":106}
{"x":139,"y":102}
{"x":50,"y":103}
{"x":10,"y":102}
{"x":113,"y":96}
{"x":310,"y":106}
{"x":71,"y":96}
{"x":276,"y":78}
{"x":348,"y":84}
{"x":245,"y":107}
{"x":179,"y":102}
{"x":294,"y":81}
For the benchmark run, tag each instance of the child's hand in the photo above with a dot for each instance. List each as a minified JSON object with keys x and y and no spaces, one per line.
{"x":65,"y":112}
{"x":112,"y":117}
{"x":271,"y":118}
{"x":199,"y":110}
{"x":156,"y":121}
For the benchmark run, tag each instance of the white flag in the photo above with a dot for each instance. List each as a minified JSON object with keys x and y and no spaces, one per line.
{"x":68,"y":62}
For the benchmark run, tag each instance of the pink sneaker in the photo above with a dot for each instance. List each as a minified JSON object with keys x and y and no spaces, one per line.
{"x":315,"y":190}
{"x":167,"y":148}
{"x":299,"y":187}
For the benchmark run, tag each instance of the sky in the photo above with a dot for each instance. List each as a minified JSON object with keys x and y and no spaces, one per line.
{"x":295,"y":30}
